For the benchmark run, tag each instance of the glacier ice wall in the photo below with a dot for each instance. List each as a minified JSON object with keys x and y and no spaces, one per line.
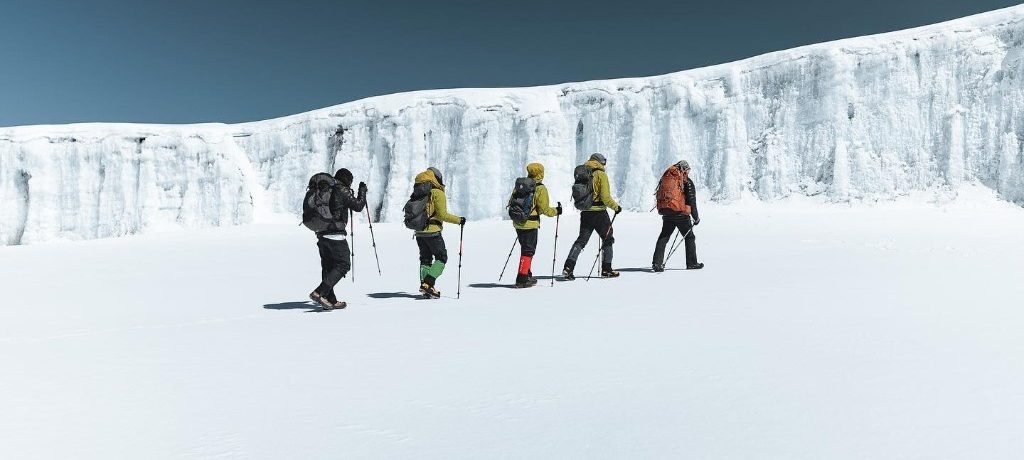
{"x":860,"y":119}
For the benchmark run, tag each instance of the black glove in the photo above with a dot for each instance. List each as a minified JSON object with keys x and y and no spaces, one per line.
{"x":559,"y":208}
{"x":618,"y":210}
{"x":696,"y":221}
{"x":362,"y":188}
{"x":462,"y":221}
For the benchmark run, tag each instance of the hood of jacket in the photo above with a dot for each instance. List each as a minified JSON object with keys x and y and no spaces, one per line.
{"x":535,"y":171}
{"x":428,"y":176}
{"x":594,"y":164}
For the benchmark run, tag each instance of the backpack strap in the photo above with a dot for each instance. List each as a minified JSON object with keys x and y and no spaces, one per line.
{"x":597,"y":193}
{"x":431,"y":210}
{"x":533,"y":205}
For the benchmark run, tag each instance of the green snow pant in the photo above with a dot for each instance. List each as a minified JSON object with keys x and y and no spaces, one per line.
{"x":433,"y":256}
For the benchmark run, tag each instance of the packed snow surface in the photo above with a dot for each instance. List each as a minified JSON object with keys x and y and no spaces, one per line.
{"x":814,"y":333}
{"x":860,"y":119}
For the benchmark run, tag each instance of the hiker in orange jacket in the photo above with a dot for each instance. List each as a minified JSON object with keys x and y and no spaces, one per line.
{"x":677,"y":204}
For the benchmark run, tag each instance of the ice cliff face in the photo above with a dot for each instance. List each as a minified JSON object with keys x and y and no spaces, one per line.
{"x":859,"y":119}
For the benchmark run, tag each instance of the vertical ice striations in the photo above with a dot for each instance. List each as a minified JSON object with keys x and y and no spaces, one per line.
{"x":94,"y":181}
{"x":861,"y":119}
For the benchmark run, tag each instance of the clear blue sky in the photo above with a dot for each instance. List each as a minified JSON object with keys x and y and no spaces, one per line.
{"x":190,"y":61}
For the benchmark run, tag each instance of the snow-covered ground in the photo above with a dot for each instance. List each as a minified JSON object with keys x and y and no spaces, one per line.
{"x":815,"y":332}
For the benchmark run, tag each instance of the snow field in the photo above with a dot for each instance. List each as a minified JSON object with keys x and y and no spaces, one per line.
{"x":890,"y":331}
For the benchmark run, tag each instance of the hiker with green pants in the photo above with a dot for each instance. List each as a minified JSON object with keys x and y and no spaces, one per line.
{"x":433,"y":254}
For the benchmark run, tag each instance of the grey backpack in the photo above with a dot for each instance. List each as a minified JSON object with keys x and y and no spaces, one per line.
{"x":416,"y":217}
{"x":583,"y":188}
{"x":316,"y":205}
{"x":520,"y":205}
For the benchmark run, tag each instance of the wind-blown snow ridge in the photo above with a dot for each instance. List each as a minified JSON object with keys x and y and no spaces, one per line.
{"x":858,"y":119}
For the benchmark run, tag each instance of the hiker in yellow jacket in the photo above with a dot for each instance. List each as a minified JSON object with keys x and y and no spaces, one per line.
{"x":595,"y":218}
{"x":527,"y":231}
{"x":433,"y":254}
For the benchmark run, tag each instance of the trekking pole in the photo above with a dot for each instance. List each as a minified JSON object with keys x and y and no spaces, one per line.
{"x":672,"y":247}
{"x":374,"y":240}
{"x":352,"y":232}
{"x":600,"y":251}
{"x":677,"y":246}
{"x":509,"y":257}
{"x":458,"y":291}
{"x":554,"y":253}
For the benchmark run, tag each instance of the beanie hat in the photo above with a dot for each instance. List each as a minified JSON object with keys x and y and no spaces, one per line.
{"x":437,"y":174}
{"x":535,"y":171}
{"x":683,"y":165}
{"x":344,"y":176}
{"x":599,"y":158}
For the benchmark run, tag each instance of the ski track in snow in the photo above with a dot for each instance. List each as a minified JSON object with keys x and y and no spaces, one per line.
{"x":863,"y":119}
{"x":889,"y":331}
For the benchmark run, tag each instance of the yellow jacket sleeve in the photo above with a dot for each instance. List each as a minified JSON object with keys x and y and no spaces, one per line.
{"x":440,"y":203}
{"x":542,"y":204}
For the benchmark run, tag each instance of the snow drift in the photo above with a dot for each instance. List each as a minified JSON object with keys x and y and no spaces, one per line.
{"x":861,"y":119}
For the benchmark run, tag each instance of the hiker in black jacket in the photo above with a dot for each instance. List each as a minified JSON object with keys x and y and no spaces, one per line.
{"x":334,"y":251}
{"x":676,"y":215}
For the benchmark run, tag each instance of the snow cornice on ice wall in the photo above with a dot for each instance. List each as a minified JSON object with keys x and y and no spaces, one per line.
{"x":858,"y":119}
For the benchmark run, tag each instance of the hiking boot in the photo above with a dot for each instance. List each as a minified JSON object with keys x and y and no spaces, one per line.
{"x":607,"y":272}
{"x":696,"y":266}
{"x":336,"y":305}
{"x":429,"y":291}
{"x":567,"y":274}
{"x":658,"y":268}
{"x":427,"y":288}
{"x":328,"y":304}
{"x":315,"y":296}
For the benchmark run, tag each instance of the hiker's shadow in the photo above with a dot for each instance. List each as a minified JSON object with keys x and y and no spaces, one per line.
{"x":308,"y":306}
{"x":393,"y":295}
{"x":647,"y":270}
{"x":549,"y":278}
{"x":512,"y":286}
{"x":492,"y":285}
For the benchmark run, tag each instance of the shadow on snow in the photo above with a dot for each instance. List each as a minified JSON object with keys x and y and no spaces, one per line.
{"x":492,"y":285}
{"x":647,"y":270}
{"x":394,"y":295}
{"x":310,"y":307}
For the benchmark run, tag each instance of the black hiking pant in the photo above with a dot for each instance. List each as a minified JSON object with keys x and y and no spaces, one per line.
{"x":527,"y":247}
{"x":431,"y":249}
{"x":669,"y":225}
{"x":527,"y":241}
{"x":335,"y":262}
{"x":590,"y":222}
{"x":433,"y":256}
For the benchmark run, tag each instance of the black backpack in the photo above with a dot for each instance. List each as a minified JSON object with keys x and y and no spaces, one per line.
{"x":316,"y":205}
{"x":520,"y":206}
{"x":416,"y":217}
{"x":583,"y":188}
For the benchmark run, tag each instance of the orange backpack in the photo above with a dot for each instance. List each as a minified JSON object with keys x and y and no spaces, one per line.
{"x":670,"y":196}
